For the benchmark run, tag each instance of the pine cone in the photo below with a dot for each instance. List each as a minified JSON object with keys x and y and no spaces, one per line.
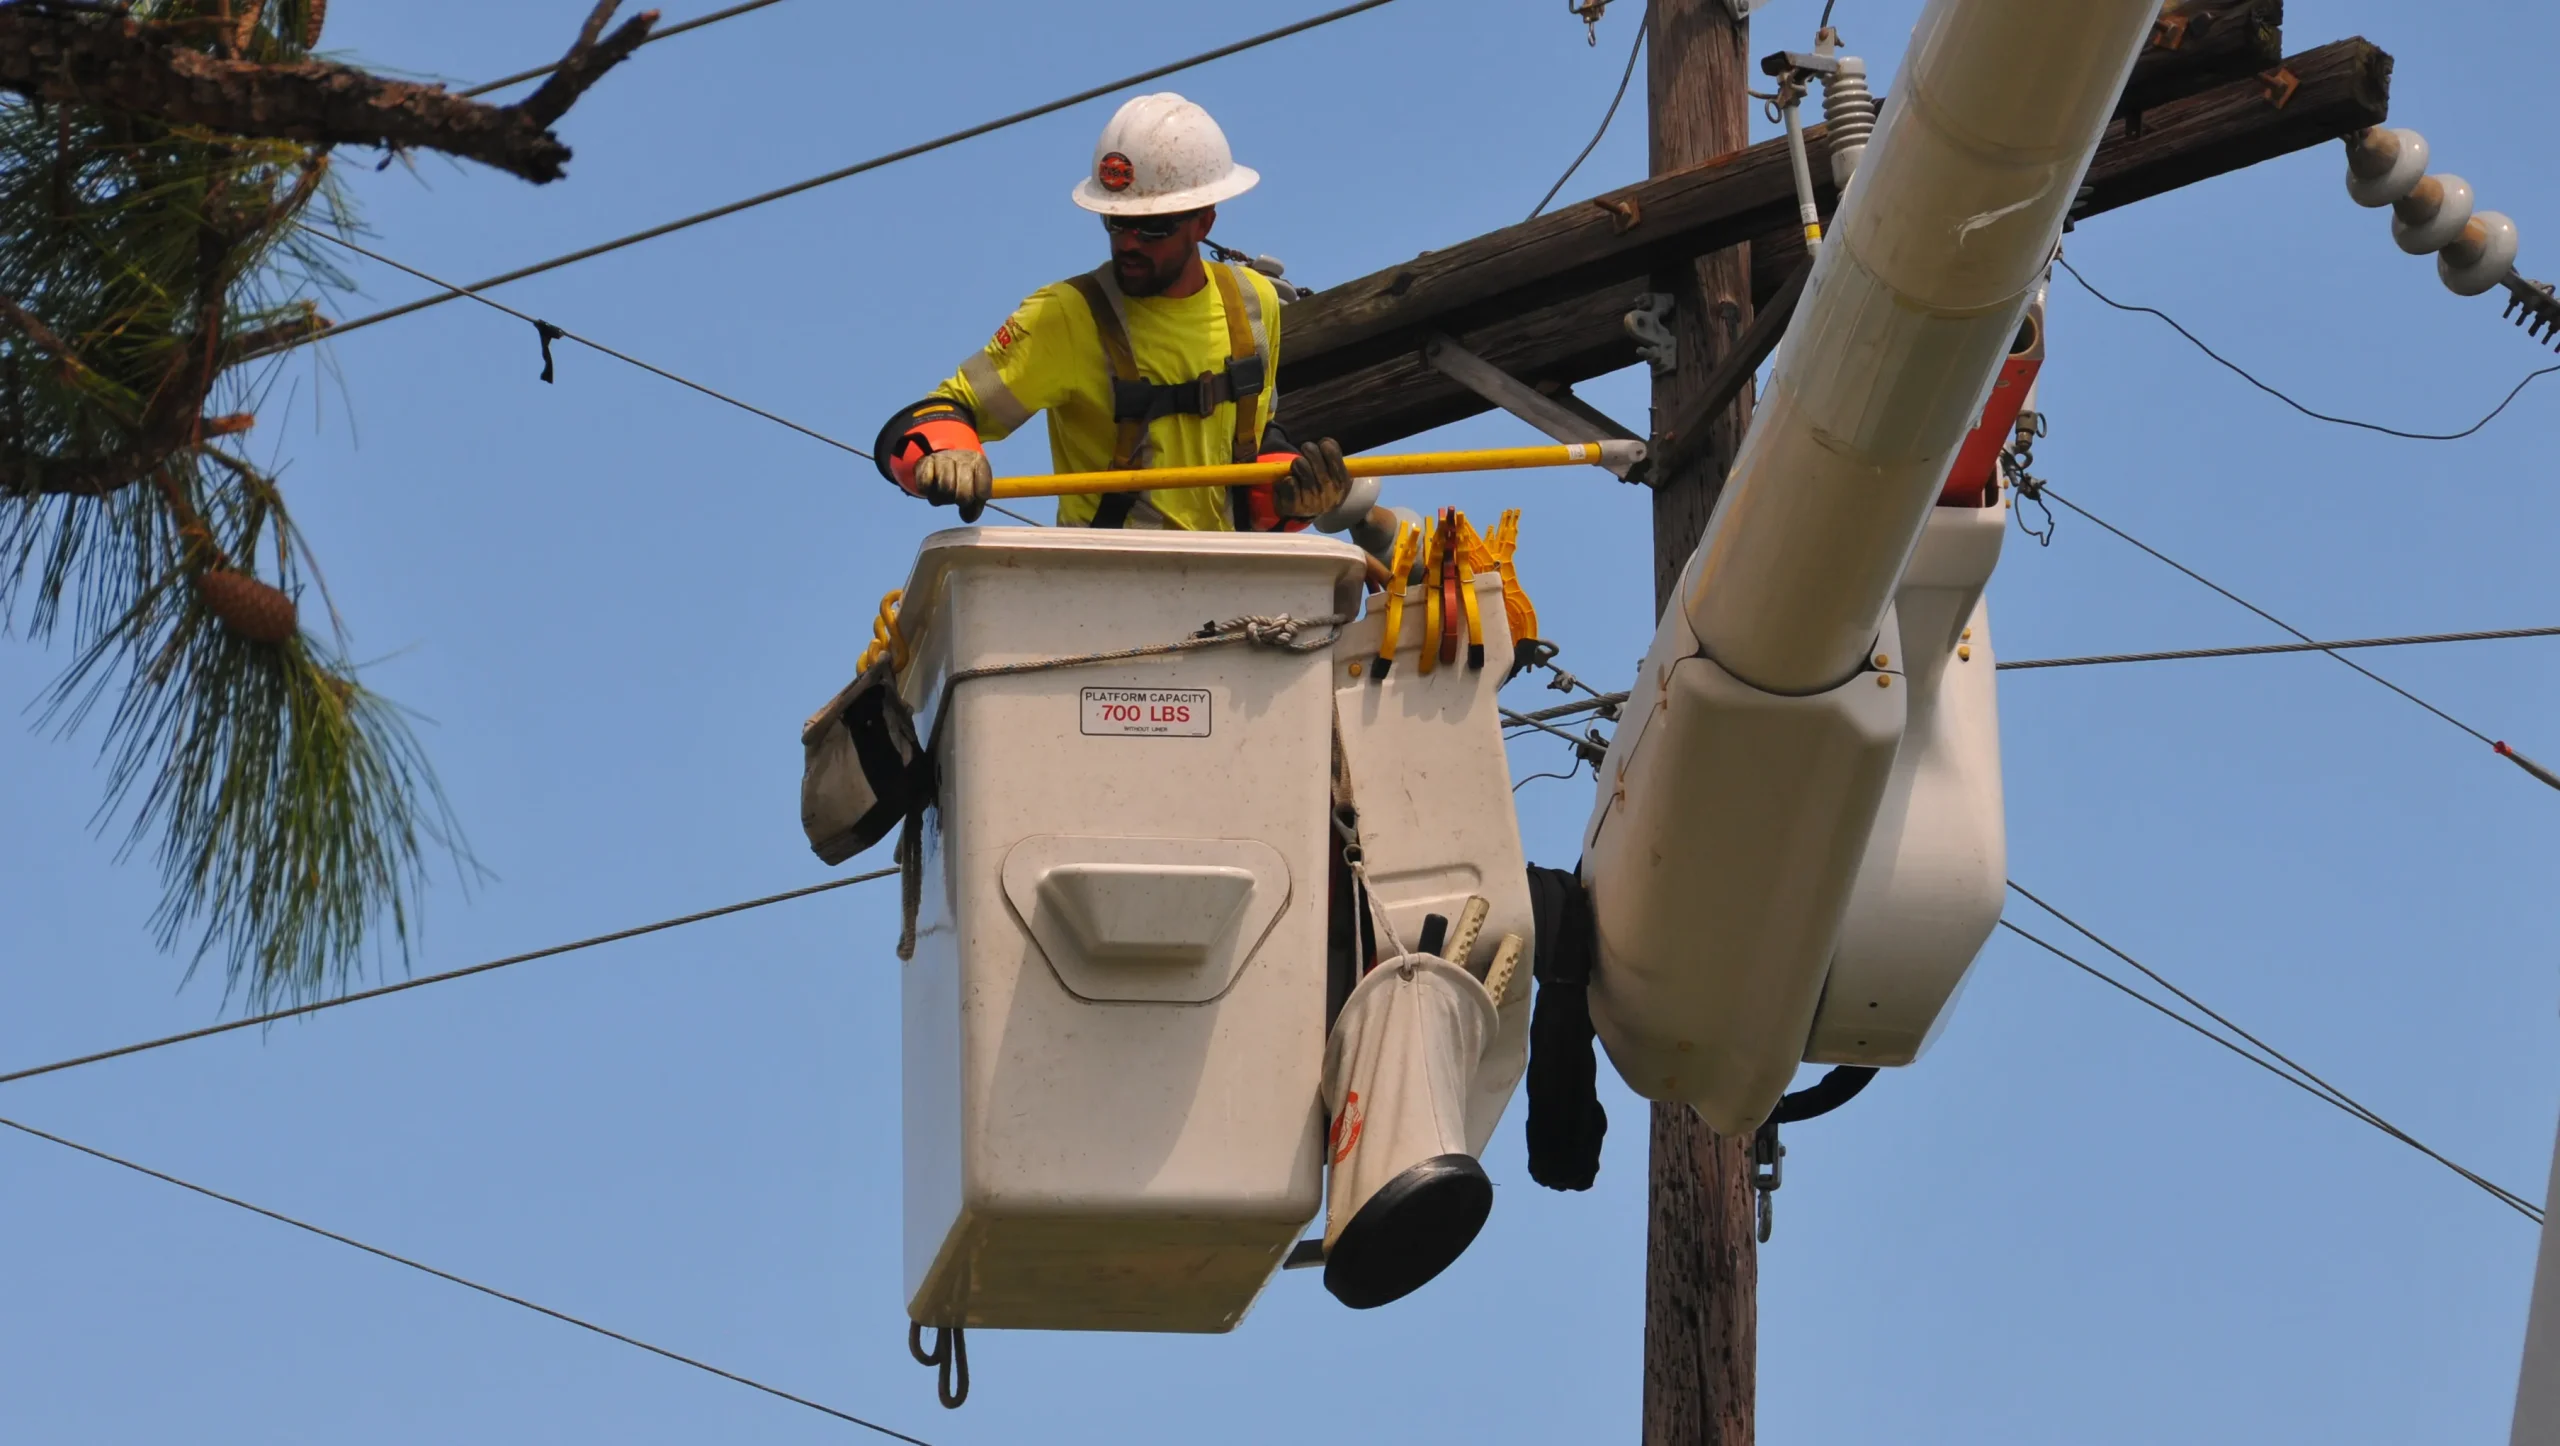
{"x":314,"y":15}
{"x":251,"y":609}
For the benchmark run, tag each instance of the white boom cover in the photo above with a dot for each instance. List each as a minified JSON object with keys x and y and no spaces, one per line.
{"x":1932,"y":881}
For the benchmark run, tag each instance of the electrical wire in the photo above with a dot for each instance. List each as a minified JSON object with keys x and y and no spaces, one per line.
{"x":2047,"y":490}
{"x":1610,"y":700}
{"x":1567,"y":775}
{"x":2256,"y":649}
{"x":1644,"y":23}
{"x":2273,"y":1062}
{"x":1522,"y":718}
{"x":1568,"y":710}
{"x":446,"y":1275}
{"x":423,"y":980}
{"x":672,"y":31}
{"x":2243,"y":374}
{"x":2335,"y":1094}
{"x":841,"y":174}
{"x":548,"y":331}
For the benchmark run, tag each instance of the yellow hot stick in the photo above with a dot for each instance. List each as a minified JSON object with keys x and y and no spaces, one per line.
{"x":1247,"y":474}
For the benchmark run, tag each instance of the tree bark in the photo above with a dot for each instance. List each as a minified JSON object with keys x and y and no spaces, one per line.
{"x":84,"y":57}
{"x":1701,"y":1318}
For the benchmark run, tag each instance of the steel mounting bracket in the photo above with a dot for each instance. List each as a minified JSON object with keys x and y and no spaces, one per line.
{"x":1567,"y":418}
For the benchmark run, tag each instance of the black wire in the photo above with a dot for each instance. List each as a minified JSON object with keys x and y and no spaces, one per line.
{"x":1644,"y":23}
{"x":696,"y":23}
{"x":831,"y":177}
{"x":2256,"y":649}
{"x":1567,"y":775}
{"x":424,"y":980}
{"x":2262,"y":612}
{"x":447,"y":1275}
{"x":1605,"y":700}
{"x":1825,"y":22}
{"x":2353,"y":1104}
{"x":2236,"y":370}
{"x":548,"y":332}
{"x":2496,"y":1192}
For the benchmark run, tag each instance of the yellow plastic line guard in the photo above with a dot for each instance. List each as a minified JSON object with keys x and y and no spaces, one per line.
{"x":1247,"y":474}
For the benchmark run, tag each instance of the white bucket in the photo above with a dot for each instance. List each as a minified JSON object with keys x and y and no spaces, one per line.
{"x":1406,"y":1196}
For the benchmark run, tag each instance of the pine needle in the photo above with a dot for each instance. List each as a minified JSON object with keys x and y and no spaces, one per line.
{"x":290,"y":809}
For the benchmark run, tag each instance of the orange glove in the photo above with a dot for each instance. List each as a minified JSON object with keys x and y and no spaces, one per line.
{"x":932,"y":451}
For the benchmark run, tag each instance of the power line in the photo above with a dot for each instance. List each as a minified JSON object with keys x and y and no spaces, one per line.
{"x":1644,"y":23}
{"x":1610,"y":700}
{"x":2502,"y":749}
{"x":2256,"y":649}
{"x":2336,"y":1095}
{"x":2238,"y":371}
{"x":424,"y":980}
{"x":2305,"y":1081}
{"x":845,"y":173}
{"x":446,"y":1275}
{"x":696,"y":23}
{"x":549,"y":332}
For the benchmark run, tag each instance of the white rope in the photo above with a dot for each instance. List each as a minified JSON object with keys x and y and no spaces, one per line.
{"x":1263,"y":630}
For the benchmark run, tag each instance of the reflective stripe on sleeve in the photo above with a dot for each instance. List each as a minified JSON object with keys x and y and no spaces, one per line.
{"x":999,"y":411}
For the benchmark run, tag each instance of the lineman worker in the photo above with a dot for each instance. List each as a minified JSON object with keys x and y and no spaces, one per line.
{"x":1155,"y":359}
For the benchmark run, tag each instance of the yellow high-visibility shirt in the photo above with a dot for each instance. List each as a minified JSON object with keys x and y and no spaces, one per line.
{"x":1048,"y":357}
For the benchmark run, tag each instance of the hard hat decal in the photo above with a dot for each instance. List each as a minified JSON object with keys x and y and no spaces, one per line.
{"x":1114,"y":172}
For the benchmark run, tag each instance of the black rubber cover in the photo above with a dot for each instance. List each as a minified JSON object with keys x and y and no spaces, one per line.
{"x":1409,"y":1231}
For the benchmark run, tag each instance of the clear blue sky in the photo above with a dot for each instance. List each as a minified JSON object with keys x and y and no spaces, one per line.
{"x":616,"y":600}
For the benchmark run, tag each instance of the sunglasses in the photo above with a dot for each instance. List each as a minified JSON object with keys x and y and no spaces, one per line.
{"x":1148,"y":228}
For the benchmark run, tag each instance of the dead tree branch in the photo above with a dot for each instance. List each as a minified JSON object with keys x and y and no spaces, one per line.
{"x":81,"y":56}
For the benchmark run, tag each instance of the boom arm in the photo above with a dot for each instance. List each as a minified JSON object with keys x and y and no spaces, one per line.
{"x":1741,"y":791}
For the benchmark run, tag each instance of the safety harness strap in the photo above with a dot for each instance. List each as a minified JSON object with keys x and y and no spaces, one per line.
{"x":1124,"y":367}
{"x":1137,"y":401}
{"x":1245,"y":365}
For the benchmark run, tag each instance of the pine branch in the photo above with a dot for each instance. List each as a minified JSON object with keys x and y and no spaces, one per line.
{"x":78,"y":56}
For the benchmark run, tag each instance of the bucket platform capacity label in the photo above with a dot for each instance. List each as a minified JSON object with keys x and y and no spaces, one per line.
{"x":1146,"y":712}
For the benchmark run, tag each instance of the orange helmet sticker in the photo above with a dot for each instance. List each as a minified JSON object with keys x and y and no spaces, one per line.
{"x":1113,"y":172}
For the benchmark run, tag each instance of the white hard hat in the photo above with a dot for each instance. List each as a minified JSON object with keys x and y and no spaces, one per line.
{"x":1160,"y":154}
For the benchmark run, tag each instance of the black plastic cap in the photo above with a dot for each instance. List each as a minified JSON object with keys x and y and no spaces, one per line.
{"x":1409,"y":1231}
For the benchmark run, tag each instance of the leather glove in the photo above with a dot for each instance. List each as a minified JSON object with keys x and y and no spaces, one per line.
{"x":1317,"y":481}
{"x":957,"y":478}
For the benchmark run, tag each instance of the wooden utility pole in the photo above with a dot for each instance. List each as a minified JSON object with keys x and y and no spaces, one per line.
{"x":1702,"y":1268}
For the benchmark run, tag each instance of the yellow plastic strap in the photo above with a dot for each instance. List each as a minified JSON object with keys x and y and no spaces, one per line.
{"x":1433,"y":542}
{"x":885,"y":636}
{"x":1469,"y":547}
{"x":1390,"y":632}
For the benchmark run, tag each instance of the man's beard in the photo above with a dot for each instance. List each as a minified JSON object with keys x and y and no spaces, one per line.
{"x":1154,"y":279}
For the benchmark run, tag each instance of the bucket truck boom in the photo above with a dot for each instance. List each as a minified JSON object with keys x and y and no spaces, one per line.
{"x":1743,"y":790}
